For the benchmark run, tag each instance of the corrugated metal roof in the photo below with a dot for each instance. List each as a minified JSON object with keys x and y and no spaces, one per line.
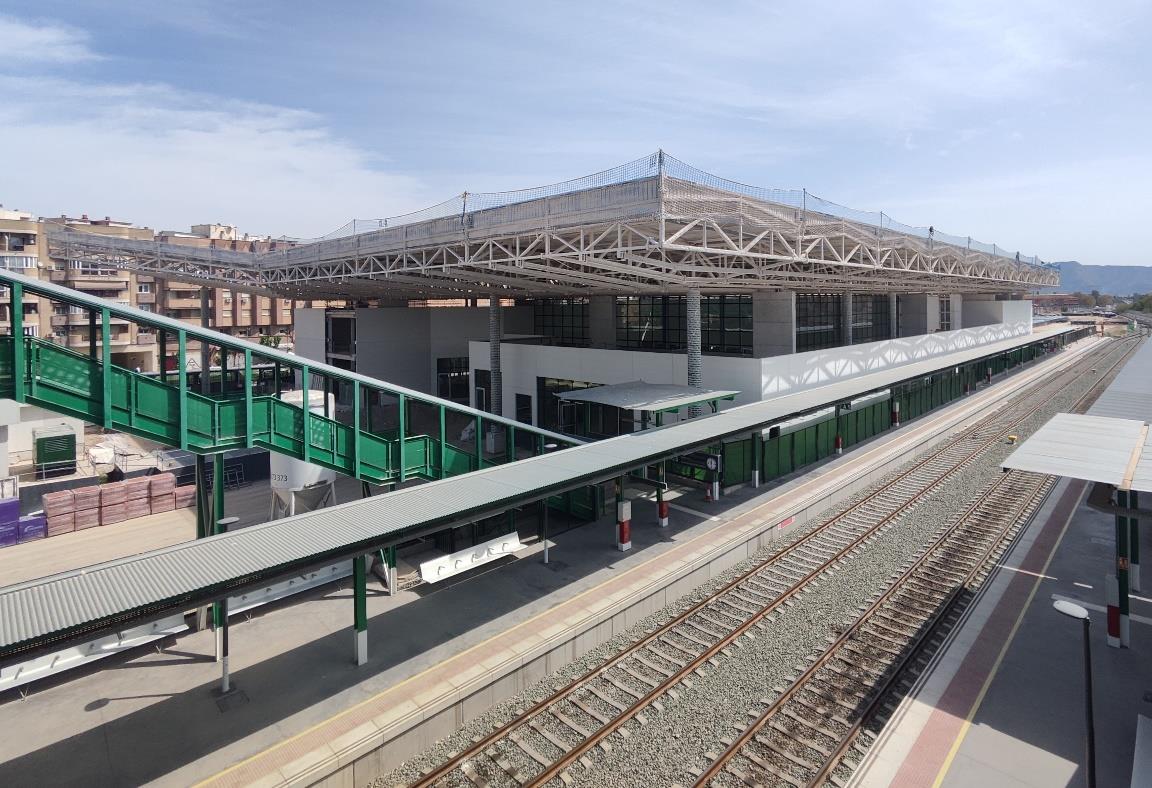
{"x":1129,"y":395}
{"x":1094,"y":448}
{"x":1100,"y":446}
{"x":59,"y":604}
{"x":638,"y":395}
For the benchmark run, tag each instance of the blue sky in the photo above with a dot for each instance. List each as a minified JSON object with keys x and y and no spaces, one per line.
{"x":1023,"y":124}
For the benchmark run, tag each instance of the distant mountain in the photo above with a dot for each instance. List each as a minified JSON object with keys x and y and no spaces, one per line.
{"x":1111,"y":279}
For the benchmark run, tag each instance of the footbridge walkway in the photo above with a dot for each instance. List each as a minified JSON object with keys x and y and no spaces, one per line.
{"x":387,"y":434}
{"x":45,"y":615}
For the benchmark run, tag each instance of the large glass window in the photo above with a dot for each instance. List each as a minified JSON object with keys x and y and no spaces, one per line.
{"x":563,"y":319}
{"x":452,"y":379}
{"x":871,"y":321}
{"x":661,"y":323}
{"x":819,"y":321}
{"x":551,"y":413}
{"x":945,"y":313}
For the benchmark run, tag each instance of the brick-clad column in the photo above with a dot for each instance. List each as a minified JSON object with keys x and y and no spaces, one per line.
{"x":695,"y":373}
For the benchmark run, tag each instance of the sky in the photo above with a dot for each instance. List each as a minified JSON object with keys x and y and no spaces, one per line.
{"x":1023,"y":124}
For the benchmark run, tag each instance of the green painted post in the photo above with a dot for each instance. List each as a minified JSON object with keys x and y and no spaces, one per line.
{"x":163,"y":341}
{"x":1122,"y":562}
{"x":92,"y":334}
{"x":356,"y":428}
{"x":217,"y":491}
{"x":182,"y":382}
{"x":276,"y":370}
{"x":223,"y":370}
{"x":1134,"y":544}
{"x":479,"y":444}
{"x":360,"y":608}
{"x":16,"y":308}
{"x":248,"y":398}
{"x":510,"y":447}
{"x":443,"y":441}
{"x":403,"y":419}
{"x":757,"y":451}
{"x":307,"y":453}
{"x":106,"y":364}
{"x":202,"y":500}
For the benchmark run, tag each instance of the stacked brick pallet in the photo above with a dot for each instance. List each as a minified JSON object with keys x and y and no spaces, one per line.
{"x":88,"y":507}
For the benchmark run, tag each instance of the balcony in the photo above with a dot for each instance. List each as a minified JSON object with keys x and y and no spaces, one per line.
{"x":145,"y":298}
{"x":59,"y":321}
{"x":182,"y":303}
{"x":145,"y":339}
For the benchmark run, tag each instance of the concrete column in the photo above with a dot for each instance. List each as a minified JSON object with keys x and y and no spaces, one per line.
{"x":602,"y":321}
{"x":893,"y":316}
{"x":846,"y":319}
{"x":773,"y":323}
{"x":695,"y":372}
{"x":623,"y":519}
{"x":495,"y":332}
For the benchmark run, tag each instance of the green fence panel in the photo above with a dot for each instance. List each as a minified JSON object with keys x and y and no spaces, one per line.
{"x":457,"y":461}
{"x":737,"y":468}
{"x":376,"y":458}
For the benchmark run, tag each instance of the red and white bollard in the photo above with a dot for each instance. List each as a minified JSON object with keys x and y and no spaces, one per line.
{"x":624,"y":526}
{"x":895,"y":413}
{"x":662,"y":513}
{"x":839,"y":445}
{"x":1118,"y":624}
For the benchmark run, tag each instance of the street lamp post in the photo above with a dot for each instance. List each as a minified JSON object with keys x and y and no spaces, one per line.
{"x":1072,"y":610}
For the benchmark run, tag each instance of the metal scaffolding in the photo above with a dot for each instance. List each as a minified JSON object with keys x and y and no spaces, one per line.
{"x":652,"y":225}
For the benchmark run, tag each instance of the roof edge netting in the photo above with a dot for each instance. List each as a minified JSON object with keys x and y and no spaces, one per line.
{"x":656,"y":165}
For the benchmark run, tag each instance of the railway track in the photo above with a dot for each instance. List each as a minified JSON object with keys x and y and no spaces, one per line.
{"x":545,"y":740}
{"x":813,"y":726}
{"x":802,"y":735}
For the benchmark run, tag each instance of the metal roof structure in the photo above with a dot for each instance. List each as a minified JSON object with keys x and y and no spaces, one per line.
{"x":649,"y":397}
{"x":654,"y":225}
{"x":42,"y":613}
{"x":1110,"y":444}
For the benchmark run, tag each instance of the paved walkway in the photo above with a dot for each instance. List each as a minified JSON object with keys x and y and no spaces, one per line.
{"x":1003,"y":705}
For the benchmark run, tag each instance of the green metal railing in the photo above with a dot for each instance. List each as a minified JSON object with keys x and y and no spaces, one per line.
{"x":164,"y":409}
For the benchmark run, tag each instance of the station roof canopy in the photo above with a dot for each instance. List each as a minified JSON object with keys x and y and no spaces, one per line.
{"x":650,"y":397}
{"x":1093,"y":448}
{"x":1109,"y":444}
{"x":652,"y":226}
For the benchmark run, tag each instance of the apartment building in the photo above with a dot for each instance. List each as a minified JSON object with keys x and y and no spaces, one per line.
{"x":24,"y":248}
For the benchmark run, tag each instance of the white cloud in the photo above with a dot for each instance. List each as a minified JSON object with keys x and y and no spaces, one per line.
{"x":43,"y":42}
{"x":156,"y":155}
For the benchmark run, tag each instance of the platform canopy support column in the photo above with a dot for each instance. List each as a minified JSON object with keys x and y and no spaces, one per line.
{"x":360,"y":608}
{"x":1133,"y":546}
{"x":1116,"y":585}
{"x":661,"y":504}
{"x":893,"y":316}
{"x":495,"y":332}
{"x":623,"y":518}
{"x":695,"y":367}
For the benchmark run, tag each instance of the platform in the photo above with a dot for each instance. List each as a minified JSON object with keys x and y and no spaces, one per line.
{"x":303,"y":709}
{"x":1002,"y":706}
